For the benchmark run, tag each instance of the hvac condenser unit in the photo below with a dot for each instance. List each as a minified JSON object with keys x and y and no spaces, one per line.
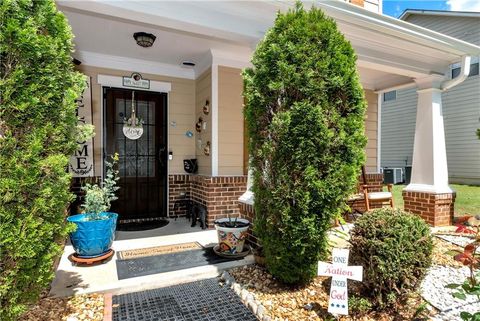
{"x":393,"y":175}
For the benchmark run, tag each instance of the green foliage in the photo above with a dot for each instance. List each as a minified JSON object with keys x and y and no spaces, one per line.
{"x":305,"y":118}
{"x":395,"y":250}
{"x":359,"y":305}
{"x":98,"y":197}
{"x":471,"y":286}
{"x":37,"y":126}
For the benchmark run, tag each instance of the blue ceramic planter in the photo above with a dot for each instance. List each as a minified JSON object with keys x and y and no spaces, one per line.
{"x":93,"y":238}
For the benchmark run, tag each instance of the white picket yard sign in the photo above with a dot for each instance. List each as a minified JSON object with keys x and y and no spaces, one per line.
{"x":340,"y":272}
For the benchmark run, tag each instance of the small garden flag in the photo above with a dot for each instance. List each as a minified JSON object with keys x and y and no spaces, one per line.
{"x":340,"y":272}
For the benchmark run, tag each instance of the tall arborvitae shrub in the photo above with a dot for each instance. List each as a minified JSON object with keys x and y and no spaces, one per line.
{"x":305,"y":116}
{"x":37,"y":123}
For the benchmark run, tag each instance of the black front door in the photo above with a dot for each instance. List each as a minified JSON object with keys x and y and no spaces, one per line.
{"x":142,"y":162}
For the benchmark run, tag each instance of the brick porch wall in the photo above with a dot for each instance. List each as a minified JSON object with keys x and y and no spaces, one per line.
{"x":219,"y":194}
{"x":247,"y":211}
{"x":372,"y":179}
{"x":435,"y":209}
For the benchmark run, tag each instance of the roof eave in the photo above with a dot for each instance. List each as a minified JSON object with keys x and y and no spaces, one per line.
{"x":444,"y":13}
{"x":400,"y":28}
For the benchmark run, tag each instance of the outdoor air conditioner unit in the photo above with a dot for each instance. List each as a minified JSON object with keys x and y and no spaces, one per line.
{"x":392,"y":175}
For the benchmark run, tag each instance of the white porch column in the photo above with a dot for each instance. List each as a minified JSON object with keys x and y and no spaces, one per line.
{"x":429,"y":165}
{"x":428,"y":194}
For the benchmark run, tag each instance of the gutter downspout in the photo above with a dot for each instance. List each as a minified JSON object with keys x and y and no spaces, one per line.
{"x":464,"y":72}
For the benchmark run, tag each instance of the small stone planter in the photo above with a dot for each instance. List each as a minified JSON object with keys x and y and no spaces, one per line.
{"x":232,"y":234}
{"x":247,"y":297}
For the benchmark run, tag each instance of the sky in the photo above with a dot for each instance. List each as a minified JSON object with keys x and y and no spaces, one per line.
{"x":395,"y":8}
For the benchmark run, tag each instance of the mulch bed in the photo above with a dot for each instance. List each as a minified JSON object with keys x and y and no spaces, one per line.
{"x":288,"y":303}
{"x":281,"y":302}
{"x":285,"y":303}
{"x":77,"y":308}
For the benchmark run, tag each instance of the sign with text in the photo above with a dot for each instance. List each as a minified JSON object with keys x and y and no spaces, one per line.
{"x":340,"y":272}
{"x":81,"y":163}
{"x":136,"y":81}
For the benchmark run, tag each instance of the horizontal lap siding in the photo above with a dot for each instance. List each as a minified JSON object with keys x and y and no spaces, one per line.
{"x":203,"y":92}
{"x":398,"y":129}
{"x":461,"y":117}
{"x":230,"y":121}
{"x":464,"y":28}
{"x":461,"y":107}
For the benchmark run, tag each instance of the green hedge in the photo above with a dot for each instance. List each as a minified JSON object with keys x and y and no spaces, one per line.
{"x":305,"y":117}
{"x":395,"y":250}
{"x":37,"y":124}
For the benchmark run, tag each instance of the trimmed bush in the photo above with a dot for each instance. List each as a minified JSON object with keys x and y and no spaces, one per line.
{"x":395,"y":250}
{"x":37,"y":125}
{"x":305,"y":118}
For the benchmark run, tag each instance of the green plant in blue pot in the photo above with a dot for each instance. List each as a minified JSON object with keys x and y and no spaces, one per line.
{"x":95,"y":230}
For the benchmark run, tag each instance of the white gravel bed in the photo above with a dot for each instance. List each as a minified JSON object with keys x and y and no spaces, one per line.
{"x":454,"y":315}
{"x":433,"y":287}
{"x":457,"y":240}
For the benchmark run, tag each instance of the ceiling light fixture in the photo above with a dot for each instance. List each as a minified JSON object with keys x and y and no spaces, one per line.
{"x":144,"y":39}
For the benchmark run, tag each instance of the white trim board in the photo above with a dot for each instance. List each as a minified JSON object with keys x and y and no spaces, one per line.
{"x":214,"y":99}
{"x":117,"y":82}
{"x":379,"y":131}
{"x":125,"y":63}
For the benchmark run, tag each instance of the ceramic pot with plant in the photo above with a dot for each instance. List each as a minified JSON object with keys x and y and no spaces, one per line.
{"x":95,"y":227}
{"x":232,"y":234}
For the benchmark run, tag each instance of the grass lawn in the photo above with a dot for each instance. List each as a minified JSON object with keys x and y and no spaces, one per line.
{"x":467,"y":201}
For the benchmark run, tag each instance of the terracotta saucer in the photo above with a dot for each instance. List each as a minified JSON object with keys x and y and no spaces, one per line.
{"x":245,"y":252}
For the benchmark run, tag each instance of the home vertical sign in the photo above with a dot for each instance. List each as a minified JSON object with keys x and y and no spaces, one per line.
{"x":81,"y":162}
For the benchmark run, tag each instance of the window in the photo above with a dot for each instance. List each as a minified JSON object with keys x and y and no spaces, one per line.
{"x":390,"y":95}
{"x":474,"y":68}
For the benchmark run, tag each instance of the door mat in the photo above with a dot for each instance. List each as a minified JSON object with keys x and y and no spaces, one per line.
{"x":157,"y":250}
{"x":204,"y":300}
{"x":167,"y":262}
{"x":141,"y":224}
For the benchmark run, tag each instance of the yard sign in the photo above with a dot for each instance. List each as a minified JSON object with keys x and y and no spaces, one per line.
{"x":81,"y":163}
{"x":340,"y":272}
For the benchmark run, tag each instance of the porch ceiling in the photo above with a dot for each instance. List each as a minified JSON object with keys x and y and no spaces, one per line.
{"x":390,"y":52}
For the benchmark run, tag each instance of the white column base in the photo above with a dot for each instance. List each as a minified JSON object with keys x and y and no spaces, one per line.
{"x":424,"y":188}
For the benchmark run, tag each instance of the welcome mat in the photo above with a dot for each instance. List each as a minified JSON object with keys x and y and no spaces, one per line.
{"x":148,"y":265}
{"x":157,"y":250}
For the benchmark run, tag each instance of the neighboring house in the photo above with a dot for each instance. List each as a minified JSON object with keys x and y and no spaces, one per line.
{"x":461,"y":105}
{"x":191,"y":96}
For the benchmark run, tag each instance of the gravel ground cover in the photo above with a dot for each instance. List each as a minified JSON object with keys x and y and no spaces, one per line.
{"x":283,"y":303}
{"x":434,"y":291}
{"x":87,"y":307}
{"x":454,"y":239}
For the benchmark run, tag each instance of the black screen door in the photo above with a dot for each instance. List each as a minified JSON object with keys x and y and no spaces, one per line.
{"x":142,"y":162}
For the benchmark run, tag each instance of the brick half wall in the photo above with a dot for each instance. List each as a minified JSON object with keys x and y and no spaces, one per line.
{"x":218,"y":194}
{"x":435,"y":209}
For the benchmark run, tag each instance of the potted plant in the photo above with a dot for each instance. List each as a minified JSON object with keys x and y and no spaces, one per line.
{"x":231,"y":234}
{"x":95,"y":227}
